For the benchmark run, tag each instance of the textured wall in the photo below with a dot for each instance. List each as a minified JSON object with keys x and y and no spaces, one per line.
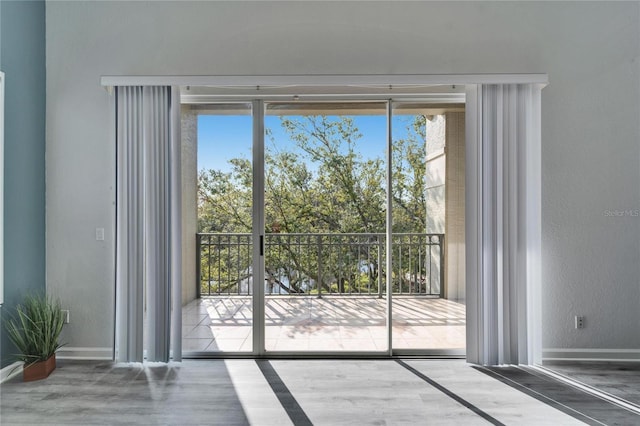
{"x":22,"y":58}
{"x":455,"y":199}
{"x":189,"y":199}
{"x":590,"y":150}
{"x":435,"y":201}
{"x":436,"y":172}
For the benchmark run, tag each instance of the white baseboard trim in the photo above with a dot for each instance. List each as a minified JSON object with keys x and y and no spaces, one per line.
{"x":79,"y":353}
{"x":590,"y":354}
{"x":11,"y":371}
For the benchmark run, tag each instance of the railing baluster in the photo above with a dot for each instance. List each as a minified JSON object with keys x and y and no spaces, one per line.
{"x":319,"y":283}
{"x":380,"y":253}
{"x":431,"y":278}
{"x":340,"y":258}
{"x":198,"y":266}
{"x":350,"y":242}
{"x":209,"y":266}
{"x":219,"y":255}
{"x":412,"y":265}
{"x":400,"y":265}
{"x":442,"y":259}
{"x":230,"y":265}
{"x":238,"y":271}
{"x":369,"y":274}
{"x":340,"y":264}
{"x":422,"y":274}
{"x":247,"y":264}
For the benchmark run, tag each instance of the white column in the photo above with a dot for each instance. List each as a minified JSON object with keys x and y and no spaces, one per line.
{"x":454,"y":209}
{"x":189,"y":130}
{"x":435,"y":194}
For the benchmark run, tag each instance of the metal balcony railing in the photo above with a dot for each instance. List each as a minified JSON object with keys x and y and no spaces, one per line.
{"x":321,"y":264}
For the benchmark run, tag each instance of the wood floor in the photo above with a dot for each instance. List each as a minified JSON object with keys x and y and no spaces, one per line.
{"x":620,"y":379}
{"x":285,"y":392}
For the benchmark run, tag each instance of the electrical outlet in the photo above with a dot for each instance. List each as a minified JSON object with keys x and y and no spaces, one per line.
{"x":99,"y":234}
{"x":579,"y":321}
{"x":65,"y":312}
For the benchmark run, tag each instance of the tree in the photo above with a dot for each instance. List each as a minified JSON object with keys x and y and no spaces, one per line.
{"x":409,"y":170}
{"x":320,"y":188}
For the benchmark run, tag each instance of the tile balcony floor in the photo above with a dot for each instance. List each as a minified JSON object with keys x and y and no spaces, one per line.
{"x":331,"y":323}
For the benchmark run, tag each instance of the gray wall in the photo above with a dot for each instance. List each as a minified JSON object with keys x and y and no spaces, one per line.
{"x":22,"y":58}
{"x":590,"y":149}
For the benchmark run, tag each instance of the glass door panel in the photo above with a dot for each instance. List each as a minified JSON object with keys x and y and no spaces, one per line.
{"x":220,"y":320}
{"x":322,"y":170}
{"x":424,"y":315}
{"x":325,"y":219}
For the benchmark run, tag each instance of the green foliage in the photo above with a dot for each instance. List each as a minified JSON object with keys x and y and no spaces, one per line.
{"x":35,"y":328}
{"x":323,"y":185}
{"x":408,"y":173}
{"x":224,"y":199}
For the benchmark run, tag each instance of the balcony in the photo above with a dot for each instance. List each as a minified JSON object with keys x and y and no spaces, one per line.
{"x":323,"y":292}
{"x":322,"y":264}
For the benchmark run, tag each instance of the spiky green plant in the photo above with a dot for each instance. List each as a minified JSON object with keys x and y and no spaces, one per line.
{"x":35,"y":328}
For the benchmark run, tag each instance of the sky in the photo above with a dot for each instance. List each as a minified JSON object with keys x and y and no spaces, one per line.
{"x":223,"y":137}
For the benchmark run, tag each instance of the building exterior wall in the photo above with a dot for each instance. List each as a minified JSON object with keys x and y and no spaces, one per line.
{"x":445,"y":180}
{"x":454,"y":213}
{"x":436,"y":170}
{"x":435,"y":197}
{"x":189,"y":202}
{"x":590,"y":156}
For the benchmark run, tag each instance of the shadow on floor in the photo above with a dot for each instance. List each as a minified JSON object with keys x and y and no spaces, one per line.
{"x":568,"y":399}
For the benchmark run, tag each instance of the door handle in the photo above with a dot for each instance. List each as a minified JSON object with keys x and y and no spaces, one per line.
{"x":261,"y":245}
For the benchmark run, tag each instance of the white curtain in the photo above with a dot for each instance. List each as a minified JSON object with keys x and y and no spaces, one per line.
{"x":503,"y":224}
{"x":148,"y":221}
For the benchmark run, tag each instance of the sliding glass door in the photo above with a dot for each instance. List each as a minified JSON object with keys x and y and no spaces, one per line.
{"x":221,"y":318}
{"x":324,"y":212}
{"x":322,"y":228}
{"x":427,"y":186}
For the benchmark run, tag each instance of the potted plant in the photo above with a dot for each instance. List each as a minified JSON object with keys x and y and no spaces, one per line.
{"x":35,"y":329}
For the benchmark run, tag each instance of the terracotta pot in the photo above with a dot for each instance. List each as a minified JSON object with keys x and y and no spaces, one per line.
{"x":39,"y":370}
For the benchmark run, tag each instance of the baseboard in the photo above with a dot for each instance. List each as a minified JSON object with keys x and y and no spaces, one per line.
{"x":71,"y":352}
{"x":10,"y":371}
{"x":590,"y":354}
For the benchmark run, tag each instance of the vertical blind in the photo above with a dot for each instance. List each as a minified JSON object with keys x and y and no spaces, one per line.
{"x":148,"y":220}
{"x":503,"y":225}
